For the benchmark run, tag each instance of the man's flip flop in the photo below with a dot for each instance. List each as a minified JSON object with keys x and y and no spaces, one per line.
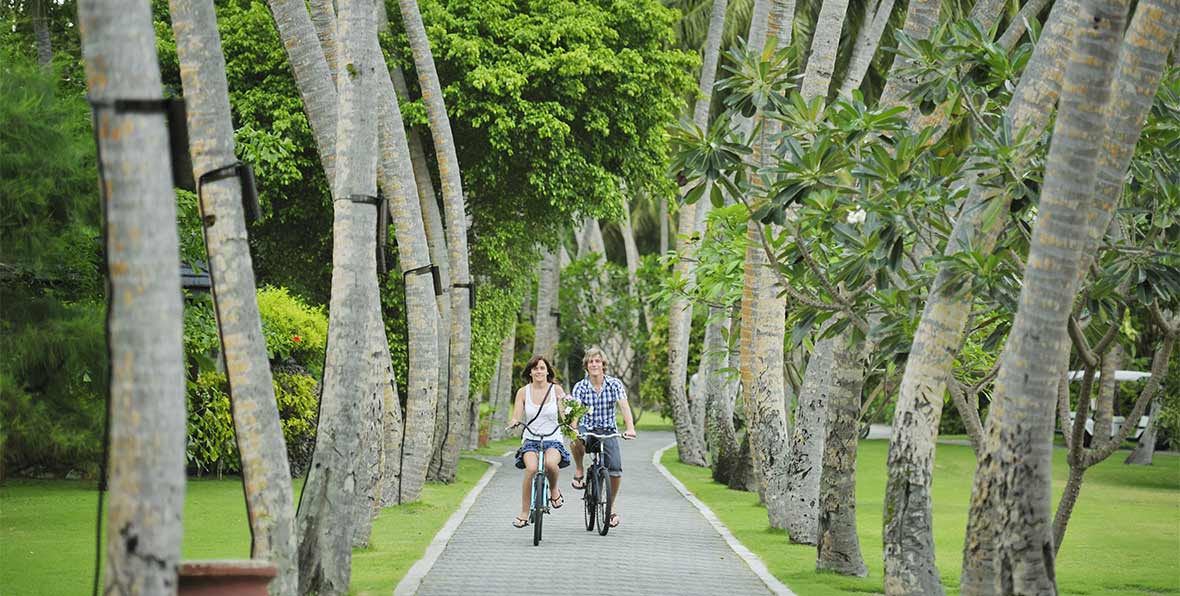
{"x":614,"y":520}
{"x":578,"y":482}
{"x":558,"y":502}
{"x":520,"y":522}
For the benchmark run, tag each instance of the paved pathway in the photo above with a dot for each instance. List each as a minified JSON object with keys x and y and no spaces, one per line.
{"x":663,"y":546}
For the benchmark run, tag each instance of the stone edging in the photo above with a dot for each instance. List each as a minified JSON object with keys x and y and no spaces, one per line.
{"x":413,"y":578}
{"x":752,"y":560}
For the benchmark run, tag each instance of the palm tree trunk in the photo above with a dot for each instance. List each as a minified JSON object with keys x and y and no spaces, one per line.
{"x":41,"y":34}
{"x":452,"y":191}
{"x":1145,"y":447}
{"x":146,"y":433}
{"x":921,"y":18}
{"x":330,"y":500}
{"x":502,"y":388}
{"x":689,"y":441}
{"x":838,"y":547}
{"x":910,"y":567}
{"x":1017,"y":27}
{"x":323,"y":18}
{"x":807,"y":444}
{"x":407,"y":473}
{"x":266,"y":475}
{"x":1009,"y":531}
{"x":373,"y":423}
{"x":868,"y":39}
{"x":720,"y":392}
{"x":545,"y":335}
{"x":824,"y":43}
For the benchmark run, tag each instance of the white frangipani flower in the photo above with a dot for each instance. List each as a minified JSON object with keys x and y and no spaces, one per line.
{"x":857,"y":216}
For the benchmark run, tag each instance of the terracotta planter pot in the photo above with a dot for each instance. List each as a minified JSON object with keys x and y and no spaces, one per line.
{"x":229,"y":577}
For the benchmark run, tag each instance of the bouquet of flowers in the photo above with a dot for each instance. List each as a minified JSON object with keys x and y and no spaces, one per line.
{"x":569,"y":413}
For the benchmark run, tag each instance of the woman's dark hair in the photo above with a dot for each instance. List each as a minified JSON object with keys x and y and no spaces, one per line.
{"x":528,"y":368}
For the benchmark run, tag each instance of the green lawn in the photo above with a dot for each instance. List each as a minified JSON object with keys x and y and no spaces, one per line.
{"x":1124,"y":537}
{"x":47,"y":531}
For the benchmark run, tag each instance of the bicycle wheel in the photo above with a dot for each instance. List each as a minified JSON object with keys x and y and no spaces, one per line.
{"x":589,"y":498}
{"x":538,"y":506}
{"x":605,"y":500}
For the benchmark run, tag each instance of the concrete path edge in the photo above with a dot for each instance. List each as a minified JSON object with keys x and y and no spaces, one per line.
{"x":413,"y":578}
{"x":752,"y":560}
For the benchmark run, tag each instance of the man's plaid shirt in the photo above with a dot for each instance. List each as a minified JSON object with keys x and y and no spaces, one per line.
{"x":602,"y":404}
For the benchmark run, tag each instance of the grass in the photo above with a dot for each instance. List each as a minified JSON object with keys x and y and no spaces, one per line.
{"x":47,"y":531}
{"x":1123,"y":539}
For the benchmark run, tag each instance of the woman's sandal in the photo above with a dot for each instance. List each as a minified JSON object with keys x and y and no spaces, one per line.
{"x":520,"y":522}
{"x":614,"y":520}
{"x":579,"y":482}
{"x":558,"y":502}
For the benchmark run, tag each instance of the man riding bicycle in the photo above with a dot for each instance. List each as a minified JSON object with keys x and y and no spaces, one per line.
{"x":601,"y":392}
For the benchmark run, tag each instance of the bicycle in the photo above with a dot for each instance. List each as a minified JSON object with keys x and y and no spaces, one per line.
{"x":597,"y":496}
{"x":539,"y":502}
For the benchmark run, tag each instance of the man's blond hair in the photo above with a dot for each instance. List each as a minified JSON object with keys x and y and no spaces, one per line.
{"x":591,"y":352}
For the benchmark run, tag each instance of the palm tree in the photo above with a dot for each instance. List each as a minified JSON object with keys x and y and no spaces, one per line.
{"x":452,"y":191}
{"x":824,"y":44}
{"x":266,"y":475}
{"x":1009,"y":530}
{"x":41,"y":34}
{"x":145,"y":467}
{"x":329,"y":502}
{"x":689,"y":440}
{"x":909,"y":537}
{"x":548,"y":277}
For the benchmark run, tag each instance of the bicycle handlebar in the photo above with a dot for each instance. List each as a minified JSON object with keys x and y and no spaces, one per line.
{"x":598,"y":436}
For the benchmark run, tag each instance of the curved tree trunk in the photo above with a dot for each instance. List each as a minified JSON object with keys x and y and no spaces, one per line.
{"x":312,"y":76}
{"x":146,"y":433}
{"x":824,"y":43}
{"x":807,"y":444}
{"x":266,"y":475}
{"x":1145,"y":448}
{"x":690,"y":442}
{"x":452,"y":191}
{"x":406,"y":472}
{"x":910,"y":567}
{"x":1009,"y":531}
{"x":329,"y":502}
{"x":868,"y":39}
{"x":838,"y":547}
{"x":1018,"y":26}
{"x":323,"y":18}
{"x":921,"y":18}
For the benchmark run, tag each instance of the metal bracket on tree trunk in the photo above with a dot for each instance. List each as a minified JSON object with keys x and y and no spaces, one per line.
{"x":430,"y":268}
{"x":382,"y":225}
{"x":245,"y":176}
{"x":556,"y":316}
{"x":470,"y":293}
{"x":173,"y":110}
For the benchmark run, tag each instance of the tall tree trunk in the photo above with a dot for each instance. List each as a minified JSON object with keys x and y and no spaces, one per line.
{"x":146,"y":433}
{"x":329,"y":502}
{"x":868,"y":39}
{"x":910,"y":567}
{"x":838,"y":546}
{"x":452,"y":191}
{"x":266,"y":475}
{"x":1017,"y":27}
{"x":406,"y":470}
{"x":502,"y":389}
{"x":41,"y":34}
{"x":763,"y":328}
{"x":373,"y":425}
{"x":323,"y":18}
{"x":921,"y":18}
{"x":545,"y":334}
{"x":437,"y":242}
{"x":817,"y":79}
{"x":1009,"y":543}
{"x":1104,"y":401}
{"x":720,"y":393}
{"x":807,"y":444}
{"x":690,"y":442}
{"x":312,"y":76}
{"x":663,"y":226}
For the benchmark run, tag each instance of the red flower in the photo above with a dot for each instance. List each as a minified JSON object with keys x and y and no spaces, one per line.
{"x":296,"y":338}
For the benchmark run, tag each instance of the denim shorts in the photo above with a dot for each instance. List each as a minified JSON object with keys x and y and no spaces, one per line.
{"x":611,"y":456}
{"x":537,"y":446}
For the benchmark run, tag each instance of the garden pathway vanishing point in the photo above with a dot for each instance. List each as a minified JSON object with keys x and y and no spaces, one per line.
{"x":667,"y":543}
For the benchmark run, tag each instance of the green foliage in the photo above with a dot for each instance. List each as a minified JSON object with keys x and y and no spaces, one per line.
{"x":294,"y":330}
{"x":589,"y":320}
{"x":495,"y":309}
{"x":552,"y":103}
{"x":212,"y":446}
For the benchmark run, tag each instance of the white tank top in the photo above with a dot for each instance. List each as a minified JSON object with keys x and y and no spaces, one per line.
{"x":546,"y":422}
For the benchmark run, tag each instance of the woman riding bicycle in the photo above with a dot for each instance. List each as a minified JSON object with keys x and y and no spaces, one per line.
{"x":537,"y":406}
